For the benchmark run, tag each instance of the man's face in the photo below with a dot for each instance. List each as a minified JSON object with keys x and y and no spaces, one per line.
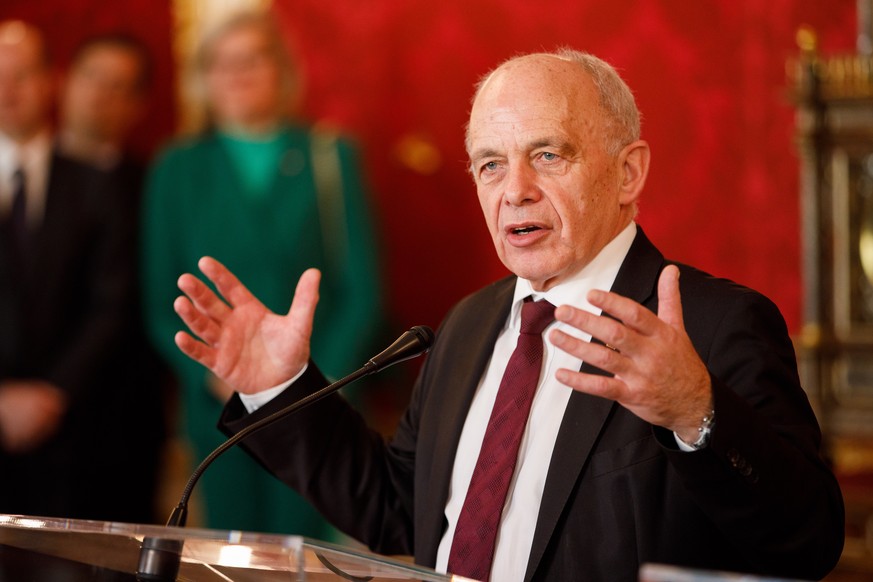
{"x":25,"y":83}
{"x":102,"y":98}
{"x":549,"y":190}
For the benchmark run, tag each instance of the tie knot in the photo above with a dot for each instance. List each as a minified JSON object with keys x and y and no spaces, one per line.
{"x":536,"y":316}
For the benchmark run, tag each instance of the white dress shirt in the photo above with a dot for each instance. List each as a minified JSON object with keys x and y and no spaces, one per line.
{"x":34,"y":158}
{"x":516,"y":530}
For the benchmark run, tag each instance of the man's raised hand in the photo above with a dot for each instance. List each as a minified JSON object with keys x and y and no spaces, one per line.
{"x":238,"y":338}
{"x":657,"y":373}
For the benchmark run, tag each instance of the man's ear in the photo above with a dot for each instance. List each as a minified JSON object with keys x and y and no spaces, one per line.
{"x":633,"y":169}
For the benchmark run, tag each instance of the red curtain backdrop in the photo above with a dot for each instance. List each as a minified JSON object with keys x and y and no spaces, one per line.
{"x":709,"y":78}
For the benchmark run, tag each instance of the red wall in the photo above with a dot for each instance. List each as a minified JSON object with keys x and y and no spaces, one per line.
{"x":709,"y":78}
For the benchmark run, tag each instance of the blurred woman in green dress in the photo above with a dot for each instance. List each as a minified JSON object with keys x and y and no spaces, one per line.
{"x":269,"y":197}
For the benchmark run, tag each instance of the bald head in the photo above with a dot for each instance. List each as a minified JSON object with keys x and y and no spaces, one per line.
{"x":558,"y":172}
{"x":25,"y":81}
{"x":574,"y":72}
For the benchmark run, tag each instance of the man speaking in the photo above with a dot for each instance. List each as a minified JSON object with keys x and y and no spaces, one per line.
{"x":600,"y":409}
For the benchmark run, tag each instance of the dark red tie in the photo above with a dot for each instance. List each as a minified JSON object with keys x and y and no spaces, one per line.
{"x":473,"y":543}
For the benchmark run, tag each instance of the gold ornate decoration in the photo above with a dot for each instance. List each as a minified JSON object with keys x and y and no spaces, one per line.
{"x":847,"y":76}
{"x":833,"y":96}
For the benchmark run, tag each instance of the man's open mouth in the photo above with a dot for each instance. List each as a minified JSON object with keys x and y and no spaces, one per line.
{"x":525,"y":229}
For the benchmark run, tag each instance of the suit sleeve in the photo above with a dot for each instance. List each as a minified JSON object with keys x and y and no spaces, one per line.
{"x":762,"y":480}
{"x":326,"y":452}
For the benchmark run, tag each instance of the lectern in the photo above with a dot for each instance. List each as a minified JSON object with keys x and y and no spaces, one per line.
{"x":34,"y":549}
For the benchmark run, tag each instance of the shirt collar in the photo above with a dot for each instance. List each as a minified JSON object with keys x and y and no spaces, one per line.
{"x":600,"y":273}
{"x":34,"y":157}
{"x":33,"y":153}
{"x":8,"y":156}
{"x":106,"y":156}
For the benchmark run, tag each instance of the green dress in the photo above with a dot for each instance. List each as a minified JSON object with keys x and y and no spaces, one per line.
{"x":268,"y":209}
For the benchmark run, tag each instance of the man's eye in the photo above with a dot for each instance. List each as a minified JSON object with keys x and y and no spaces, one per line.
{"x":549,"y":156}
{"x":490,"y":166}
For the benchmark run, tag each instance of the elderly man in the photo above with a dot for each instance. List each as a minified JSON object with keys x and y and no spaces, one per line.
{"x":652,"y":426}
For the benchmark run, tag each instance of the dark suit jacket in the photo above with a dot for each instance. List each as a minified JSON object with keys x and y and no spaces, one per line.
{"x":618,"y":492}
{"x":68,"y":315}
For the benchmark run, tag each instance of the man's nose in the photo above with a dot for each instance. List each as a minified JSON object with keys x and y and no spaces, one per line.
{"x":521,"y":185}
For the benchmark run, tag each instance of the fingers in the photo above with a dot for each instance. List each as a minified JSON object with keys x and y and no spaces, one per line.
{"x":605,"y":357}
{"x":594,"y":384}
{"x":669,"y":299}
{"x":630,"y":313}
{"x":606,"y":329}
{"x":197,"y":351}
{"x":205,"y":300}
{"x":305,"y":300}
{"x":197,"y":321}
{"x":226,"y":282}
{"x":202,"y":297}
{"x":656,"y":371}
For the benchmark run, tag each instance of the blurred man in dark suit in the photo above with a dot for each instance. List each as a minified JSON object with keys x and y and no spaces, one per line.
{"x":103,"y":97}
{"x":67,"y":302}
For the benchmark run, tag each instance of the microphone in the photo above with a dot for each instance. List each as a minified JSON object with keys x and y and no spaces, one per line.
{"x":159,"y":559}
{"x":411,"y":344}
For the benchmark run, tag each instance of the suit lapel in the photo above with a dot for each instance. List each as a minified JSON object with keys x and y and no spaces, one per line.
{"x":587,"y":416}
{"x":59,"y":216}
{"x":476,"y":333}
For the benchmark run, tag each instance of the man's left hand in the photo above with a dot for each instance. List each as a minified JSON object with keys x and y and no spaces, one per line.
{"x":657,"y":373}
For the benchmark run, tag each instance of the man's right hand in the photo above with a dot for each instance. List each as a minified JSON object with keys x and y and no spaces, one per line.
{"x":241,"y":341}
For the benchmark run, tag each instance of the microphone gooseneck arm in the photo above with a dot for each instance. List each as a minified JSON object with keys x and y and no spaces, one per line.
{"x":411,"y":344}
{"x":160,"y":558}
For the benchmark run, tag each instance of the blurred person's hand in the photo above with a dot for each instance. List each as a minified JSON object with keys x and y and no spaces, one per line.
{"x":30,"y":412}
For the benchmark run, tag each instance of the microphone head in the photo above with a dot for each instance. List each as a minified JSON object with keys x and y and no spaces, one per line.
{"x":425,"y":335}
{"x":411,"y":344}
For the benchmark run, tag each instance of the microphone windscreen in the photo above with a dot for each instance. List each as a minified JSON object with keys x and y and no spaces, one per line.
{"x":412,"y":343}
